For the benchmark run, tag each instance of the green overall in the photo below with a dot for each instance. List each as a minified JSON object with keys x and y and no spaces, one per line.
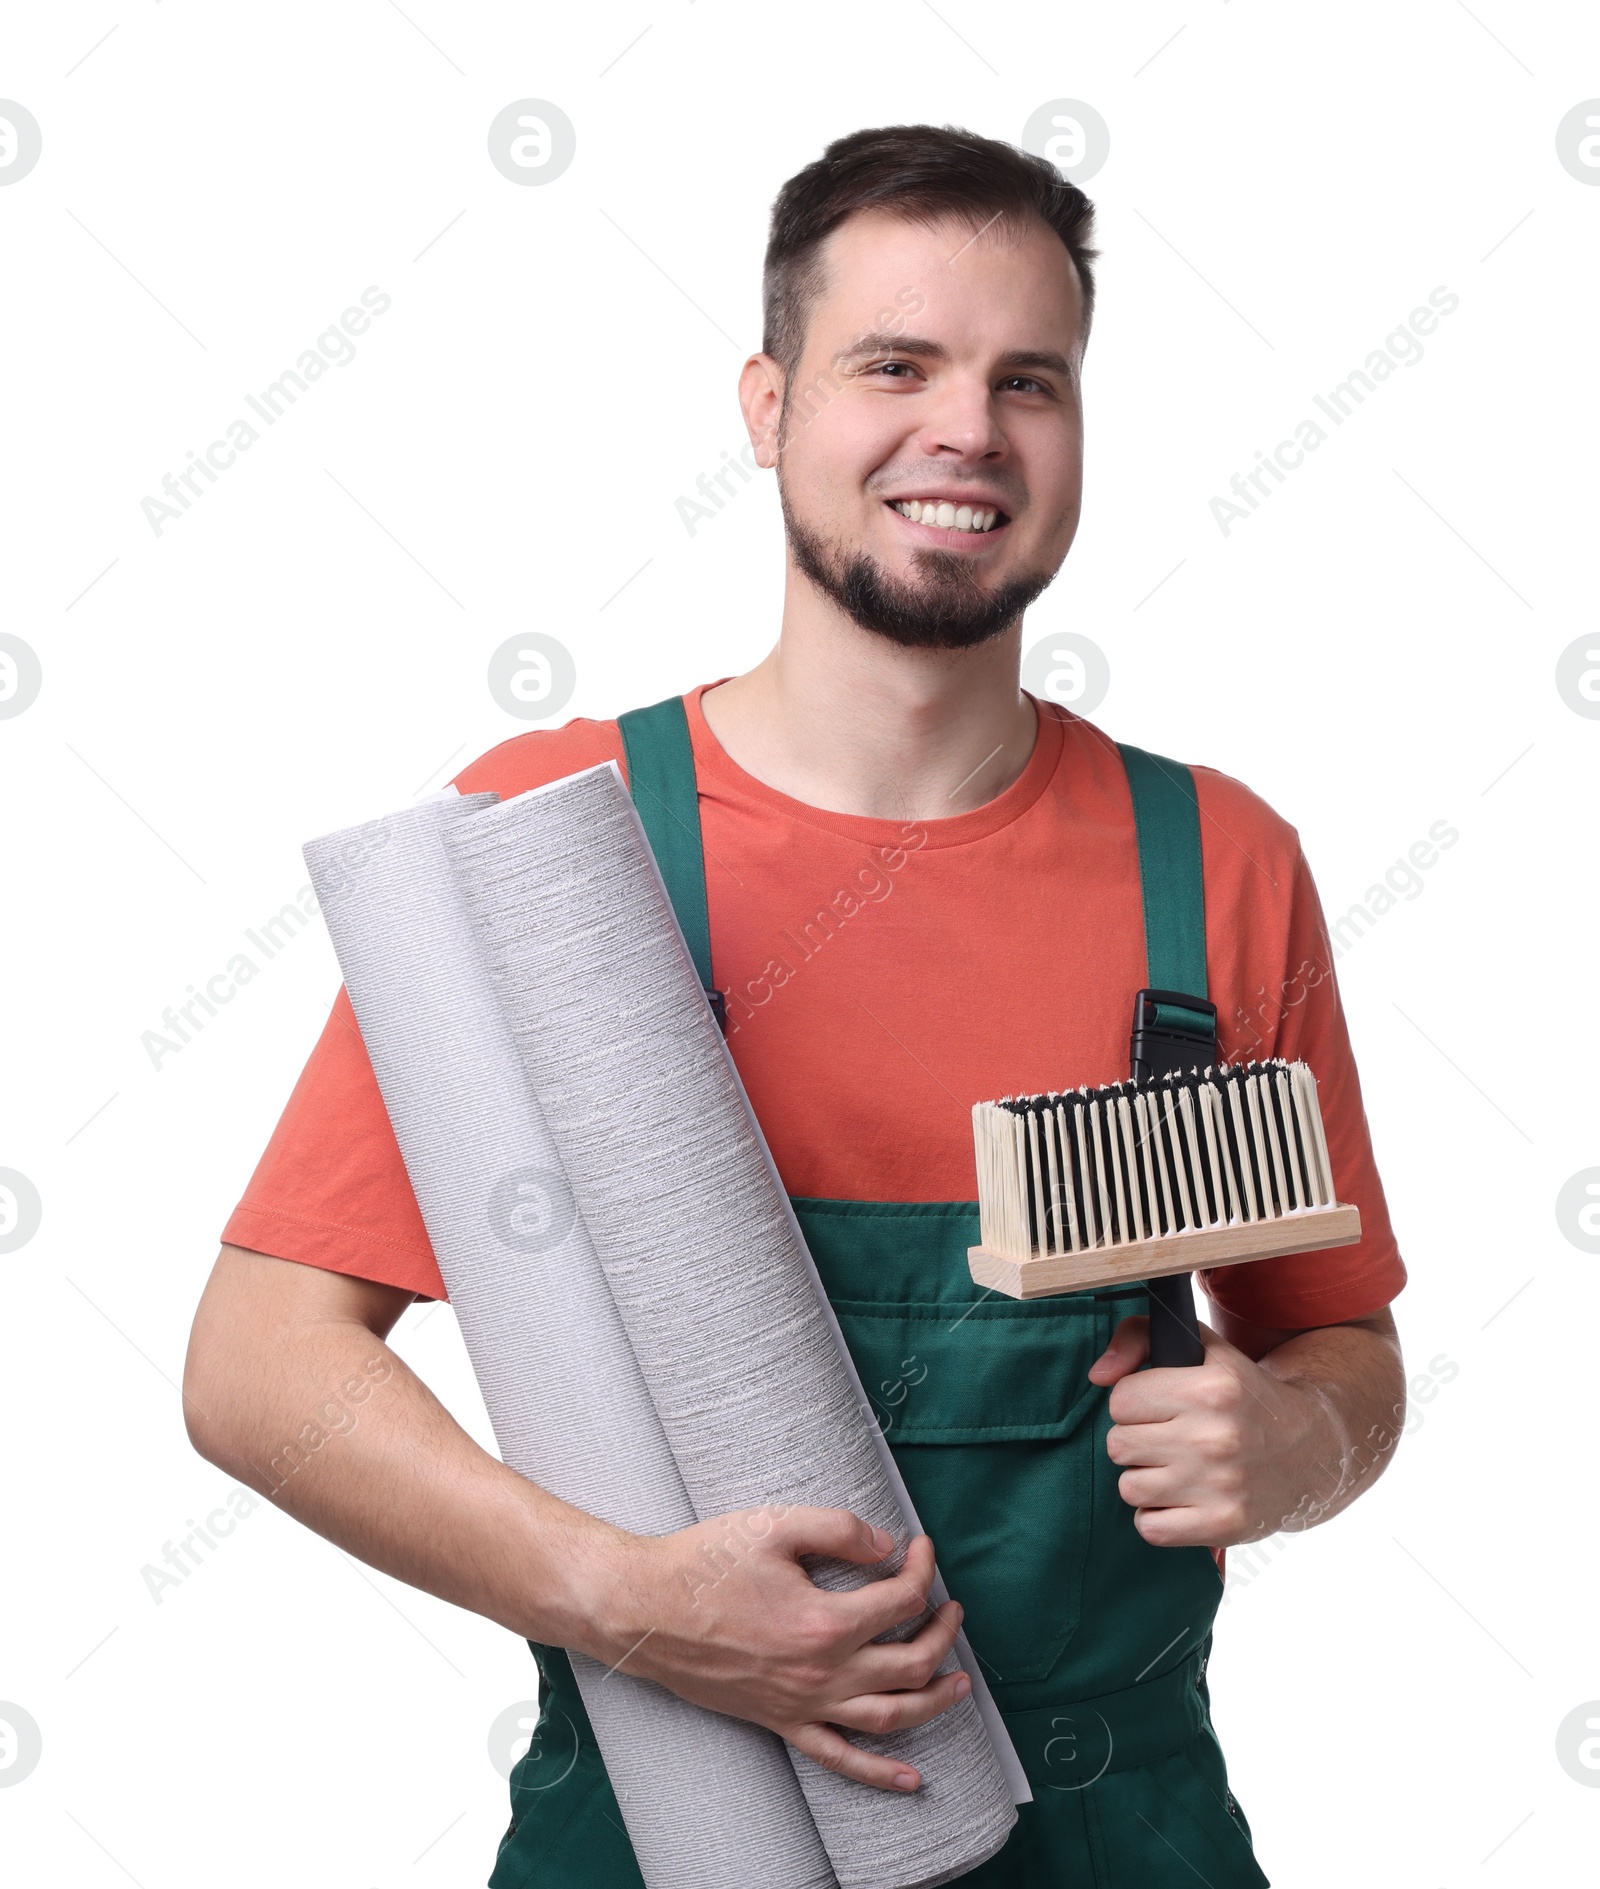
{"x":1093,"y":1643}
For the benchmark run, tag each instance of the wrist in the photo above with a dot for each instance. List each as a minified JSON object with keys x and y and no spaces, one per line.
{"x":582,"y":1581}
{"x":613,"y":1612}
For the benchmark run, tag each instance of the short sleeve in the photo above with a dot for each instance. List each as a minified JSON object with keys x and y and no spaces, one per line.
{"x":1300,"y":1290}
{"x":331,"y":1189}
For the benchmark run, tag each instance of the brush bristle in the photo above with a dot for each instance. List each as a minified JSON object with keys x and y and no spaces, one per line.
{"x":1082,"y":1169}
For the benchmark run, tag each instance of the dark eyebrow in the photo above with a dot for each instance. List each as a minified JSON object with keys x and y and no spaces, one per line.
{"x":1045,"y":359}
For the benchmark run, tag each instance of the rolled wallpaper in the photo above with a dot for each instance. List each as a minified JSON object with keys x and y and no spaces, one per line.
{"x":710,"y":1801}
{"x":737,"y":1345}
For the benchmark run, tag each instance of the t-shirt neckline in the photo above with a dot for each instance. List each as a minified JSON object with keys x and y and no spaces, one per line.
{"x":716,"y":766}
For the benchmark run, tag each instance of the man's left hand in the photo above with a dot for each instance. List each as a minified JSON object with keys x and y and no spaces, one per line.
{"x":1215,"y":1453}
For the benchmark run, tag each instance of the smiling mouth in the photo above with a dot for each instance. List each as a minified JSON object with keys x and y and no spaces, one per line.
{"x":943,"y":522}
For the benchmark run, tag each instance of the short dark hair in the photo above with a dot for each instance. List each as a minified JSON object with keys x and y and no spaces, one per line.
{"x":923,"y":174}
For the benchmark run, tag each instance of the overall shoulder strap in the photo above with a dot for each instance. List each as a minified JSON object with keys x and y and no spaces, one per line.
{"x":1168,"y":1033}
{"x":1166,"y":816}
{"x":660,"y":760}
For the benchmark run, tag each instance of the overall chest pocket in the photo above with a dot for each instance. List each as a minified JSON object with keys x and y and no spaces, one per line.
{"x":987,"y":1407}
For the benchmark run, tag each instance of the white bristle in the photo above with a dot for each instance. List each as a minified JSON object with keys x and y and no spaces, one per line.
{"x":1097,"y":1114}
{"x":1258,"y":1134}
{"x":1083,"y":1169}
{"x":1306,"y":1093}
{"x":1054,"y":1242}
{"x":1068,"y":1188}
{"x":1191,"y":1141}
{"x":1163,"y":1166}
{"x":980,"y":1152}
{"x":1036,"y":1174}
{"x":1147,"y":1165}
{"x":1297,"y":1194}
{"x":1170,"y":1118}
{"x":1019,"y":1203}
{"x":1119,"y":1182}
{"x":1275,"y":1154}
{"x":1130,"y":1148}
{"x":1242,"y":1167}
{"x":1218,"y":1110}
{"x":1208,"y":1129}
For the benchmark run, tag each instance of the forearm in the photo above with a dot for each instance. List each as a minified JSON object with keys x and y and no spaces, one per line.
{"x":290,"y":1387}
{"x":1350,"y":1384}
{"x":327,"y":1422}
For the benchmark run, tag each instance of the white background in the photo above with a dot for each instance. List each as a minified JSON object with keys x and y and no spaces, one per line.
{"x":1373,"y":650}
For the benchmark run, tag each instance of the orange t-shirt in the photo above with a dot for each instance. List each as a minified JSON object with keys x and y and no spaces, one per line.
{"x":881,"y":977}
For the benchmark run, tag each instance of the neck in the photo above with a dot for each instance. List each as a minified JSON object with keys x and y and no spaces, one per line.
{"x":846,"y":721}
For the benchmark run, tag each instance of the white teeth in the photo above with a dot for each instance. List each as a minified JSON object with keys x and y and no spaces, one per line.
{"x":943,"y":512}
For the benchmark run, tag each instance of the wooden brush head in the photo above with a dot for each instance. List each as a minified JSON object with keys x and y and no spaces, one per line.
{"x":1102,"y":1187}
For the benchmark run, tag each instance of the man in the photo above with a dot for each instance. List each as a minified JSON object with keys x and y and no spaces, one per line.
{"x":923,"y":889}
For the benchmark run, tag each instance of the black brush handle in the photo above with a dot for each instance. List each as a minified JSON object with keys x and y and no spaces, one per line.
{"x":1174,"y":1329}
{"x":1172,"y":1031}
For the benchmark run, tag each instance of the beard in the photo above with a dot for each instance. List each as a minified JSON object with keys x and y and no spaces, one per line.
{"x":948,"y":609}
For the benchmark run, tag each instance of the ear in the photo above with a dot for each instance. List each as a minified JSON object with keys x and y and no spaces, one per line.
{"x":761,"y":402}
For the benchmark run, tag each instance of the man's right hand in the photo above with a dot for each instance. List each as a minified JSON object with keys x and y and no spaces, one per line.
{"x":724,"y":1614}
{"x":290,"y":1388}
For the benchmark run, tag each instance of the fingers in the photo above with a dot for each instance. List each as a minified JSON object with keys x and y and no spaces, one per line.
{"x":1150,"y":1393}
{"x":805,"y":1661}
{"x":877,"y":1606}
{"x":1144,"y":1445}
{"x":1168,"y":1391}
{"x":833,"y":1532}
{"x":834,"y":1752}
{"x":878,"y":1713}
{"x":893,"y":1665}
{"x":1181,"y":1527}
{"x":880,"y":1605}
{"x":883,"y":1712}
{"x":1210,"y":1394}
{"x":1160,"y":1487}
{"x":1155,"y":1395}
{"x":1127,"y":1351}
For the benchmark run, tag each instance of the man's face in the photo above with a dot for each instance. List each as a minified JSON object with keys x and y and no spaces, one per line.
{"x":966,"y":397}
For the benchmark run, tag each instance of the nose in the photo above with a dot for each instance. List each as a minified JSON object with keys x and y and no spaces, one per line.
{"x":962,"y":419}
